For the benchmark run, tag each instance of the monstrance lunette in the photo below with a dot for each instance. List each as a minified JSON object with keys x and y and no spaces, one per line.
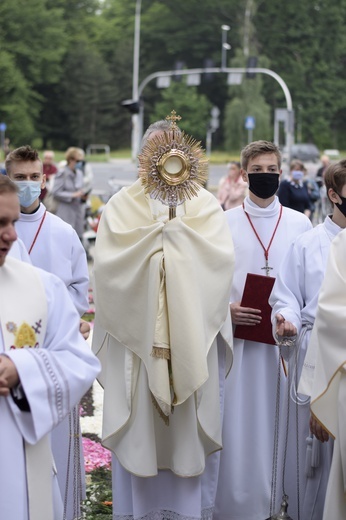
{"x":172,"y":166}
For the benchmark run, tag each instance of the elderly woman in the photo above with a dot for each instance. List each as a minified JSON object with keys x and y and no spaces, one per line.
{"x":68,"y":191}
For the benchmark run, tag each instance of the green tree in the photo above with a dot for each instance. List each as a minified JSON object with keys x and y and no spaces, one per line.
{"x":87,"y":97}
{"x":32,"y":46}
{"x":17,"y":102}
{"x":171,"y":32}
{"x":246,"y":100}
{"x":305,"y":42}
{"x":194,"y":108}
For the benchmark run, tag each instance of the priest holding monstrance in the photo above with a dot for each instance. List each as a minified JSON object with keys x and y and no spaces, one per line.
{"x":163,"y":272}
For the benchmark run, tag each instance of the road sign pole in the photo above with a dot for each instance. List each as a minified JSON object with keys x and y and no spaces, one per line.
{"x":3,"y":127}
{"x":249,"y":135}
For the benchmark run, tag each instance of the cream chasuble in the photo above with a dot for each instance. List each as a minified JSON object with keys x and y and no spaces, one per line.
{"x":328,"y":397}
{"x":23,"y":325}
{"x":162,"y":286}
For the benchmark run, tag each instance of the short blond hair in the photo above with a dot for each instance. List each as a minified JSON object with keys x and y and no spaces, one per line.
{"x":72,"y":154}
{"x":256,"y":148}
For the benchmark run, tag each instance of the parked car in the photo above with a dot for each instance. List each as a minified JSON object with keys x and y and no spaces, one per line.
{"x":333,"y":154}
{"x":306,"y":152}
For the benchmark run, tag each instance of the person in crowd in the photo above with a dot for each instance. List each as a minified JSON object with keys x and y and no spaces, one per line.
{"x":328,"y":395}
{"x":293,"y":192}
{"x":7,"y":147}
{"x":262,"y":230}
{"x":49,"y":170}
{"x":320,"y":172}
{"x":294,"y":302}
{"x":312,"y":187}
{"x":68,"y":190}
{"x":45,"y":368}
{"x":54,"y":246}
{"x":163,"y":333}
{"x":326,"y":207}
{"x":232,"y":189}
{"x":88,"y":175}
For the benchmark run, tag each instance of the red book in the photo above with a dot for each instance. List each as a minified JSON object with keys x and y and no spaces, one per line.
{"x":256,"y":294}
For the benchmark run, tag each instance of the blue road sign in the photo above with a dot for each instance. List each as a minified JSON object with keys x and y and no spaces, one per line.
{"x":250,"y":123}
{"x":3,"y":127}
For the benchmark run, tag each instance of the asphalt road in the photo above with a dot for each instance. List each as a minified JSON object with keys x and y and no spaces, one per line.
{"x":111,"y":176}
{"x":108,"y":177}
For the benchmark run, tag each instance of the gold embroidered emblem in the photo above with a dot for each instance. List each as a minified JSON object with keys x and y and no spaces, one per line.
{"x":25,"y":336}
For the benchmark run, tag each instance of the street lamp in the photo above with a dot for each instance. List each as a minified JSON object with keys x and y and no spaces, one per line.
{"x":224,"y":45}
{"x":135,"y":76}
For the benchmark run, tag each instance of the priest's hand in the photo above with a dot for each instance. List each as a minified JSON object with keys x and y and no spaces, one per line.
{"x":8,"y":375}
{"x":317,"y":429}
{"x":284,"y":328}
{"x":244,"y":315}
{"x":84,"y":328}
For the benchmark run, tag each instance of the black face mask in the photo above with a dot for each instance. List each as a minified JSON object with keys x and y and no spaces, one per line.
{"x":342,"y":206}
{"x":263,"y":185}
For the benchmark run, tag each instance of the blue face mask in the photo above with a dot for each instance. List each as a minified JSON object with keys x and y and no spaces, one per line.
{"x":29,"y":191}
{"x":297,"y":175}
{"x":80,"y":165}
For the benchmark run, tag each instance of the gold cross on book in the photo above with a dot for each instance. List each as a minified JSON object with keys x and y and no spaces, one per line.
{"x":173,"y":118}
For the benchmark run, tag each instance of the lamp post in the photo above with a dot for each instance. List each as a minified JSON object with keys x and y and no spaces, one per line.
{"x":224,"y":45}
{"x":135,"y":76}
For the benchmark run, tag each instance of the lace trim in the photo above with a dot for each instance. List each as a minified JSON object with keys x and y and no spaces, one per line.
{"x":164,"y":514}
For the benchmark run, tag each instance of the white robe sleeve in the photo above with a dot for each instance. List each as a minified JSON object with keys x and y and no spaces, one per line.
{"x":79,"y":286}
{"x":55,"y":377}
{"x":287,"y":297}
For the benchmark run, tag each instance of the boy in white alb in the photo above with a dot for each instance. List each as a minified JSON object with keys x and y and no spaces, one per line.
{"x":261,"y":230}
{"x":294,"y":301}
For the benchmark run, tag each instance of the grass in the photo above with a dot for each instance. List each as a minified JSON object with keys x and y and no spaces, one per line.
{"x":98,"y":503}
{"x":217,"y":157}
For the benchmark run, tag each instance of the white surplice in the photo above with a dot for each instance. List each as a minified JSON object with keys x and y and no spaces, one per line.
{"x":328,"y":396}
{"x":295,"y":296}
{"x":19,"y":251}
{"x":244,"y":489}
{"x":58,"y":250}
{"x":53,"y":376}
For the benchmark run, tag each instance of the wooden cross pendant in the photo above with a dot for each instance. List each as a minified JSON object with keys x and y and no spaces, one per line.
{"x":267,"y":268}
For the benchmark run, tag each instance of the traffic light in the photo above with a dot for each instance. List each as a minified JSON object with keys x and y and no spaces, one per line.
{"x":251,"y":64}
{"x":179,"y":65}
{"x":131,"y":105}
{"x":208,"y":64}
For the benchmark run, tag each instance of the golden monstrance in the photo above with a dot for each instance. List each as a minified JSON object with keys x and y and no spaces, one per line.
{"x":173,"y":166}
